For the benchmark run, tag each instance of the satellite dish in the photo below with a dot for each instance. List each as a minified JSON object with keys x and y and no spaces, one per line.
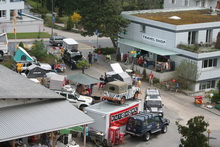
{"x":174,"y":17}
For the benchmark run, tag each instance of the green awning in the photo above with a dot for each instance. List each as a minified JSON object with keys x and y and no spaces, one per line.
{"x":83,"y":79}
{"x":146,"y":47}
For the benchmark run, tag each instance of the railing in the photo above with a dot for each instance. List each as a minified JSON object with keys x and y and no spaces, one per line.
{"x":16,"y":0}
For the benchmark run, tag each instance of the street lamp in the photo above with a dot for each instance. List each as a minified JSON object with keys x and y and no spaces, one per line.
{"x":53,"y":20}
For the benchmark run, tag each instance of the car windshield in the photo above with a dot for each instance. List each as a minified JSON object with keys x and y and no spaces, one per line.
{"x":77,"y":95}
{"x":154,"y":104}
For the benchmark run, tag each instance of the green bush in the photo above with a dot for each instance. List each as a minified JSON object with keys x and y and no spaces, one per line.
{"x":106,"y":50}
{"x":192,"y":48}
{"x":69,"y":24}
{"x":215,"y":98}
{"x":156,"y":80}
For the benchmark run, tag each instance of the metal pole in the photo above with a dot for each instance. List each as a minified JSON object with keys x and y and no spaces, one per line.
{"x":97,"y":42}
{"x":84,"y":132}
{"x":52,"y":20}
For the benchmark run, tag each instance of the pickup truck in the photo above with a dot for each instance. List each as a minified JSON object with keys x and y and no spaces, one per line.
{"x":118,"y":91}
{"x":79,"y":101}
{"x":145,"y":124}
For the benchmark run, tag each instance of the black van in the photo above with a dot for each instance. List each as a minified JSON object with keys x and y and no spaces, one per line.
{"x":56,"y":40}
{"x":145,"y":124}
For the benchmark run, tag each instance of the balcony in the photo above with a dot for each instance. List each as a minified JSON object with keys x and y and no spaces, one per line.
{"x":199,"y":47}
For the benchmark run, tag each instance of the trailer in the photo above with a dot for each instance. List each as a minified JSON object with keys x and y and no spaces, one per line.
{"x":110,"y":121}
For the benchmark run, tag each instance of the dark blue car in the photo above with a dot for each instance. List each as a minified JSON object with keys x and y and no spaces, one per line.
{"x":145,"y":124}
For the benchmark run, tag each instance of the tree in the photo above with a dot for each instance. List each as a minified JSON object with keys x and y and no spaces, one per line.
{"x":38,"y":50}
{"x":186,"y":73}
{"x":218,"y":86}
{"x":104,"y":16}
{"x":193,"y":135}
{"x":69,"y":24}
{"x":83,"y":64}
{"x":217,"y":44}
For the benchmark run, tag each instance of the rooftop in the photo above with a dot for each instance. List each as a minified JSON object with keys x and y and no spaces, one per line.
{"x":187,"y":16}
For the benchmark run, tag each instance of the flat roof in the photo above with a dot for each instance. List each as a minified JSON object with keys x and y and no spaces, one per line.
{"x":40,"y":117}
{"x":15,"y":86}
{"x":187,"y":15}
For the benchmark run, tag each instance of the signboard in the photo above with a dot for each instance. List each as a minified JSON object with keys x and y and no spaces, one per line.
{"x":120,"y":118}
{"x":154,"y":39}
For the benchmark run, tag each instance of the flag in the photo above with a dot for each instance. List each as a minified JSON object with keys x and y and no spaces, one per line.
{"x":14,"y":22}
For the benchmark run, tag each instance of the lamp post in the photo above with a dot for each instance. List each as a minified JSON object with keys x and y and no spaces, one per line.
{"x":208,"y":135}
{"x":53,"y":19}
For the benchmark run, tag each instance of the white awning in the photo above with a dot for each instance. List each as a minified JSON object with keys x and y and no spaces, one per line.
{"x":40,"y":117}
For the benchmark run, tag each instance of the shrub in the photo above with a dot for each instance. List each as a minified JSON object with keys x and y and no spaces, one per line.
{"x":69,"y":24}
{"x":156,"y":80}
{"x":144,"y":74}
{"x":215,"y":98}
{"x":192,"y":48}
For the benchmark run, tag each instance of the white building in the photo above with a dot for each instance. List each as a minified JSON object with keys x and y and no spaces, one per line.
{"x":24,"y":22}
{"x":160,"y":38}
{"x":189,"y":3}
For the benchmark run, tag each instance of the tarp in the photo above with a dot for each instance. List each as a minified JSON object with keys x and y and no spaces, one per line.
{"x":116,"y":67}
{"x":21,"y":56}
{"x":34,"y":71}
{"x":83,"y":79}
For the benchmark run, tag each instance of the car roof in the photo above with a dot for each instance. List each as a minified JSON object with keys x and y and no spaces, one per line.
{"x":143,"y":115}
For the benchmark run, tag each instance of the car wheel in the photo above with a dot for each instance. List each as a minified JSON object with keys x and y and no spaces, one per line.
{"x":146,"y":137}
{"x":135,"y":96}
{"x":164,"y":130}
{"x":82,"y":107}
{"x":122,"y":101}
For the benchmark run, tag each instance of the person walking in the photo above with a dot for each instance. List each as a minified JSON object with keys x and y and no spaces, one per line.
{"x":151,"y":78}
{"x":95,"y":58}
{"x":101,"y":84}
{"x":90,"y":57}
{"x":128,"y":57}
{"x":108,"y":58}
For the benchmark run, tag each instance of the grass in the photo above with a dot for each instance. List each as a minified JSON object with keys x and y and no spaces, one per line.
{"x":28,"y":35}
{"x":187,"y":17}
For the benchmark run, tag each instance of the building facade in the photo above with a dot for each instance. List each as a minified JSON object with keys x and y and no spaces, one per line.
{"x":24,"y":22}
{"x":161,"y":39}
{"x":189,"y":3}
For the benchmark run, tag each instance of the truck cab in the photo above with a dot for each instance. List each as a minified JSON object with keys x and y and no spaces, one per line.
{"x":153,"y":102}
{"x":145,"y":124}
{"x":118,"y":91}
{"x":79,"y":101}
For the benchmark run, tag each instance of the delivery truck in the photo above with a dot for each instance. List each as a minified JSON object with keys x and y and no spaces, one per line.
{"x":110,"y":121}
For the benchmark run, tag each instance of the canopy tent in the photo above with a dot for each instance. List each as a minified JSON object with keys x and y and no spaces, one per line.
{"x":22,"y":56}
{"x":146,"y":47}
{"x":82,"y":79}
{"x":34,"y":71}
{"x":32,"y":119}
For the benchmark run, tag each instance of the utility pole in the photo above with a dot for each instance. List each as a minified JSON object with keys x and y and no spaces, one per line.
{"x":53,"y":20}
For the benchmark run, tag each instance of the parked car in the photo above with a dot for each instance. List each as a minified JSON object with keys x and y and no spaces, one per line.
{"x":79,"y":101}
{"x":71,"y":58}
{"x":56,"y":40}
{"x":118,"y":91}
{"x":145,"y":124}
{"x":153,"y":102}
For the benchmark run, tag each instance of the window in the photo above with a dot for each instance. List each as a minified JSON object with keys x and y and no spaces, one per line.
{"x":208,"y":36}
{"x":209,"y":63}
{"x":186,"y":3}
{"x":202,"y":3}
{"x":207,"y":85}
{"x":197,"y":3}
{"x":192,"y":36}
{"x":173,"y":1}
{"x":2,"y":13}
{"x":143,"y":28}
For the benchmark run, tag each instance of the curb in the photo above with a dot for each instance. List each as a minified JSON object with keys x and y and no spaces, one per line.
{"x":209,"y":110}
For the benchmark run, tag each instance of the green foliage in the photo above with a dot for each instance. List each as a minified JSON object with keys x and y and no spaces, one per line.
{"x":218,"y":86}
{"x":215,"y":98}
{"x":28,"y":35}
{"x":192,"y":48}
{"x":38,"y":50}
{"x":144,"y":74}
{"x":69,"y":24}
{"x":107,"y":20}
{"x":156,"y":80}
{"x":106,"y":50}
{"x":82,"y":65}
{"x":21,"y":44}
{"x":217,"y":44}
{"x":186,"y":73}
{"x":193,"y":133}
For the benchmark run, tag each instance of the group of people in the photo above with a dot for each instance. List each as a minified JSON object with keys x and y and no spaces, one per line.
{"x":94,"y":56}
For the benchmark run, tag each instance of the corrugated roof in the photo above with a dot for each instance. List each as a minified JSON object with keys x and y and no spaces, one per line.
{"x":13,"y":85}
{"x":37,"y":118}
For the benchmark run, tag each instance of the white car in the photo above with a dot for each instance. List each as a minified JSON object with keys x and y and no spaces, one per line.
{"x":79,"y":101}
{"x":153,"y":102}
